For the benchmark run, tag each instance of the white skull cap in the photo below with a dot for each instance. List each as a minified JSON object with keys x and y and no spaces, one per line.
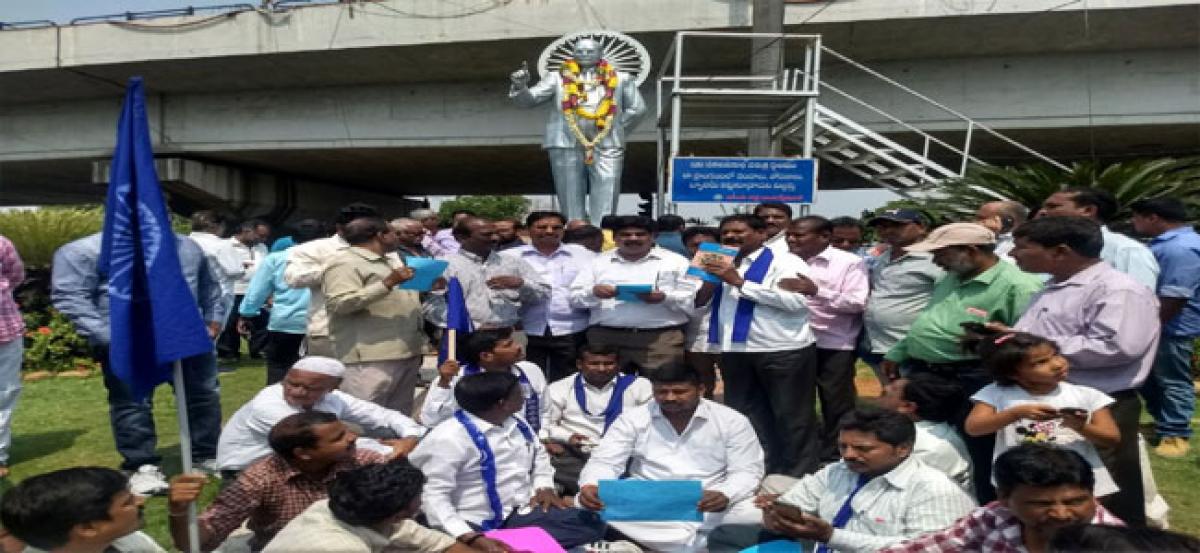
{"x":321,"y":365}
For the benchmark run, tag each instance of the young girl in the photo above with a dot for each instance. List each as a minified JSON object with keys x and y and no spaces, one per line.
{"x":1032,"y":402}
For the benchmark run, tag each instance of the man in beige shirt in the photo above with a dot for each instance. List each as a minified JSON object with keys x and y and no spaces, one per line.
{"x":306,"y":264}
{"x":374,"y":326}
{"x":369,"y":510}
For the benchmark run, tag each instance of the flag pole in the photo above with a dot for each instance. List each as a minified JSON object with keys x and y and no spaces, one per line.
{"x":452,"y":343}
{"x":185,"y":452}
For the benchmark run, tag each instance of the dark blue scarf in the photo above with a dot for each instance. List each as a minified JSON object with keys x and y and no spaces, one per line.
{"x":745,"y":308}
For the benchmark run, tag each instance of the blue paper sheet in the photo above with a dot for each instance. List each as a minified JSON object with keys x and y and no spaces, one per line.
{"x":650,"y":500}
{"x":629,"y":292}
{"x":426,"y":271}
{"x":708,"y":249}
{"x":777,"y":546}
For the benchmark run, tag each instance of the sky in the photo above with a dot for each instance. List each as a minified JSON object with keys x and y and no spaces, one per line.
{"x":63,"y":11}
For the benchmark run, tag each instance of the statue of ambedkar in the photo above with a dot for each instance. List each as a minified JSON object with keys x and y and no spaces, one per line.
{"x":585,"y":135}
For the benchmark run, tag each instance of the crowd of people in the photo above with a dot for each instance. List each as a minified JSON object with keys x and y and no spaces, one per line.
{"x":1013,"y":352}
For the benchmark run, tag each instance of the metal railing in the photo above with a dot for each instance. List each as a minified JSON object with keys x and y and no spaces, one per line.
{"x":801,"y":81}
{"x":185,"y":11}
{"x":971,"y":125}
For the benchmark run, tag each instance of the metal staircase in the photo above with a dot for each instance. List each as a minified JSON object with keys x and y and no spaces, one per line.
{"x":794,"y":102}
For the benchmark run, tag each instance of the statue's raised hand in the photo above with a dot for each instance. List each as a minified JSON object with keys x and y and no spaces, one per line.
{"x":520,"y":77}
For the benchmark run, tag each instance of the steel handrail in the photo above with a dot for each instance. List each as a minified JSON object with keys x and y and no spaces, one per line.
{"x":972,"y":123}
{"x":894,"y":119}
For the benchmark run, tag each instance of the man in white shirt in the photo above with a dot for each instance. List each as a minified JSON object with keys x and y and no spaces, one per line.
{"x":701,"y":354}
{"x":930,"y":402}
{"x":876,"y":496}
{"x":311,"y":384}
{"x":554,"y":328}
{"x":492,"y":350}
{"x":370,"y":510}
{"x":777,"y":216}
{"x":247,"y":243}
{"x":680,"y":436}
{"x":207,"y":229}
{"x":486,"y":470}
{"x":768,"y":353}
{"x":646,"y":328}
{"x":582,"y":407}
{"x":305,"y":268}
{"x":1122,"y":252}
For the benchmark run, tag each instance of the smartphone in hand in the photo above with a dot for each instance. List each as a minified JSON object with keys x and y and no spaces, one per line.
{"x":788,"y":511}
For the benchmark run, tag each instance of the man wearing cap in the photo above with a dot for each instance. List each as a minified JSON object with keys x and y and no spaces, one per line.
{"x":310,"y":385}
{"x":977,"y":288}
{"x":901,"y":283}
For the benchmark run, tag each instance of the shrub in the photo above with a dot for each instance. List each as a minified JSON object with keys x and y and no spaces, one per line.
{"x":52,"y":345}
{"x":490,"y":207}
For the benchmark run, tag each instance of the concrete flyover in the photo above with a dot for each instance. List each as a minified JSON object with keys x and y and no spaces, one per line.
{"x":380,"y":99}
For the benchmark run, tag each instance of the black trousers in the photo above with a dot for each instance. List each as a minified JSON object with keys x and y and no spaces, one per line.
{"x":229,"y":344}
{"x":777,"y":391}
{"x":972,"y":378}
{"x":835,"y":387}
{"x":555,"y":355}
{"x":1123,"y":462}
{"x":283,"y":350}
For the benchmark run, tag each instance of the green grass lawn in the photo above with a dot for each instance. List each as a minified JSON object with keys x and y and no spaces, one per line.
{"x":63,"y":422}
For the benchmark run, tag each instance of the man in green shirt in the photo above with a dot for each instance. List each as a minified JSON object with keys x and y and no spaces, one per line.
{"x":977,"y":288}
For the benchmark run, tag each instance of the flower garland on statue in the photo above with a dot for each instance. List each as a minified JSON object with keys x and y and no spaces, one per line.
{"x":574,"y":96}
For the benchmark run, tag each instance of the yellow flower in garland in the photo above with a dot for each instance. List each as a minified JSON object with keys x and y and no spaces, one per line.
{"x":574,"y":97}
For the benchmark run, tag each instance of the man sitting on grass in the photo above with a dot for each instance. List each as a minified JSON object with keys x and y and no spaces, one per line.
{"x":1042,"y":489}
{"x":311,"y":384}
{"x":582,"y":407}
{"x":930,"y":402}
{"x":487,"y":470}
{"x":877,"y":495}
{"x":311,"y":447}
{"x":491,"y":350}
{"x":77,"y":510}
{"x":369,"y":510}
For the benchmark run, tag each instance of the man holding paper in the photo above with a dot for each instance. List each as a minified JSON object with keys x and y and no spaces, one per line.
{"x":679,"y":436}
{"x":636,"y":302}
{"x":376,"y":328}
{"x":768,"y":357}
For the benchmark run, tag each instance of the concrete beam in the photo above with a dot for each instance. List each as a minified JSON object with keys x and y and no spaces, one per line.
{"x":192,"y":185}
{"x":1014,"y":92}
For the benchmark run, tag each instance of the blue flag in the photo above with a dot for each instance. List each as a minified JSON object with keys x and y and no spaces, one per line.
{"x":153,"y":315}
{"x":457,"y":318}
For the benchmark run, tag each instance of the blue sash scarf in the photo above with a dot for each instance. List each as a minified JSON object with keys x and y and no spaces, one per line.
{"x":843,"y":515}
{"x":615,"y":403}
{"x":487,"y":465}
{"x":533,"y":406}
{"x":745,"y":308}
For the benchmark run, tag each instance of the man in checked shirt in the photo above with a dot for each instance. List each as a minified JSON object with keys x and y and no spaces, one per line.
{"x":1042,"y":488}
{"x":311,"y":448}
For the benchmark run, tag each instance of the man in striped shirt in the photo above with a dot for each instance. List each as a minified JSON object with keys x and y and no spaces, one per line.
{"x":1042,"y":489}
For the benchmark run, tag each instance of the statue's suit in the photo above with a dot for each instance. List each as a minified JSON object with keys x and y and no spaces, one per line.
{"x":571,"y":175}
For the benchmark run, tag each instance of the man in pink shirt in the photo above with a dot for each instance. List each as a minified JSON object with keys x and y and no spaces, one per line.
{"x":837,"y":287}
